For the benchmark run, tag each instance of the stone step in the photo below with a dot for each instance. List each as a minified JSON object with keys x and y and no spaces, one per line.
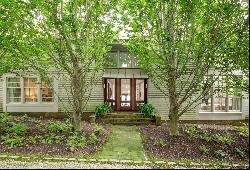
{"x":127,"y":119}
{"x":119,"y":115}
{"x":127,"y":123}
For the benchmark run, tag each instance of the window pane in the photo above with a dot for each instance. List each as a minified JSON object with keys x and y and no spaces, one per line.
{"x":234,"y":104}
{"x":111,"y":89}
{"x":13,"y":82}
{"x":125,"y":60}
{"x":47,"y":92}
{"x":125,"y":93}
{"x":14,"y":94}
{"x":112,"y":60}
{"x":206,"y":105}
{"x":139,"y":90}
{"x":30,"y":89}
{"x":220,"y":104}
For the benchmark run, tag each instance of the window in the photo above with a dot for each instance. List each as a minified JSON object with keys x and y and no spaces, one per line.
{"x":47,"y":92}
{"x":121,"y":59}
{"x":30,"y":90}
{"x":125,"y":60}
{"x":112,"y":60}
{"x":221,"y":99}
{"x":26,"y":90}
{"x":13,"y":90}
{"x":206,"y":104}
{"x":234,"y":99}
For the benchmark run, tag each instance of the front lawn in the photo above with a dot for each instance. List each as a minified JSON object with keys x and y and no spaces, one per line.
{"x":197,"y":142}
{"x":22,"y":134}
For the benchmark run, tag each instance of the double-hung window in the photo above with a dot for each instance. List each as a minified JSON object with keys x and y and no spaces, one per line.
{"x":13,"y":90}
{"x":221,"y":99}
{"x":29,"y":90}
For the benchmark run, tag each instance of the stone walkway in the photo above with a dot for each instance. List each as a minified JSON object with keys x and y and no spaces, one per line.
{"x":12,"y":164}
{"x":124,"y":144}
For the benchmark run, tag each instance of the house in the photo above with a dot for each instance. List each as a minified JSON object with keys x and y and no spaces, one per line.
{"x":123,"y":85}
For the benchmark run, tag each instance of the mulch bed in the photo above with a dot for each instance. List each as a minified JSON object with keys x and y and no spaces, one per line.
{"x":187,"y":146}
{"x":40,"y":127}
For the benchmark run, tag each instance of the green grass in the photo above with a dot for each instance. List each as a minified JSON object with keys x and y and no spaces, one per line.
{"x":124,"y":144}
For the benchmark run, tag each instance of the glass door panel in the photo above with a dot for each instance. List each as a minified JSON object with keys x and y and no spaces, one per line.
{"x":125,"y":94}
{"x":110,"y":92}
{"x":140,"y":98}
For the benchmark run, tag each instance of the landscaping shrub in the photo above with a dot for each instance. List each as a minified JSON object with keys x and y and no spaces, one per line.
{"x":226,"y":139}
{"x":34,"y":139}
{"x":13,"y":140}
{"x":240,"y":152}
{"x":18,"y":129}
{"x":4,"y":117}
{"x":203,"y":149}
{"x":159,"y":142}
{"x":221,"y":153}
{"x":205,"y":136}
{"x":92,"y":139}
{"x":243,"y":130}
{"x":50,"y":138}
{"x":147,"y":109}
{"x":99,"y":130}
{"x":58,"y":127}
{"x":192,"y":130}
{"x":102,"y":109}
{"x":74,"y":141}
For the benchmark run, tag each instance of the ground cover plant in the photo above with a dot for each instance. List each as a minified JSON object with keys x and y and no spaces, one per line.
{"x":197,"y":142}
{"x":23,"y":134}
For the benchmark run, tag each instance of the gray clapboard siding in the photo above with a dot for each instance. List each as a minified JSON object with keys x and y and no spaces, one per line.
{"x":161,"y":103}
{"x":96,"y":97}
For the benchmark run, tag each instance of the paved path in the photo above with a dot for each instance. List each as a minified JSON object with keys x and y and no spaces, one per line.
{"x":124,"y":144}
{"x":12,"y":164}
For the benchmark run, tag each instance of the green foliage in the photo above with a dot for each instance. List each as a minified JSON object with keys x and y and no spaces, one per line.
{"x":18,"y":129}
{"x":187,"y":33}
{"x":162,"y":142}
{"x":203,"y":149}
{"x":243,"y":130}
{"x":13,"y":140}
{"x":92,"y":139}
{"x":147,"y":109}
{"x":205,"y":136}
{"x":4,"y":117}
{"x":99,"y":130}
{"x":74,"y":141}
{"x":192,"y":130}
{"x":58,"y":127}
{"x":159,"y":142}
{"x":102,"y":109}
{"x":221,"y":153}
{"x":226,"y":139}
{"x":33,"y":139}
{"x":51,"y":138}
{"x":240,"y":152}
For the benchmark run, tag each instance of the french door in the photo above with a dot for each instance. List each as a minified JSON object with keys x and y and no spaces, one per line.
{"x":125,"y":94}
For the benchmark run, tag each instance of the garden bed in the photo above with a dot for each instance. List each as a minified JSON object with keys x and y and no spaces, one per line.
{"x":197,"y":142}
{"x":22,"y":134}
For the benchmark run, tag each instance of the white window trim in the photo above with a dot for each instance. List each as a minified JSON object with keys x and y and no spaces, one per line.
{"x":21,"y":106}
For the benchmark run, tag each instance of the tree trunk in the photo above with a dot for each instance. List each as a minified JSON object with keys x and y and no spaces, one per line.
{"x":77,"y":122}
{"x":174,"y":125}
